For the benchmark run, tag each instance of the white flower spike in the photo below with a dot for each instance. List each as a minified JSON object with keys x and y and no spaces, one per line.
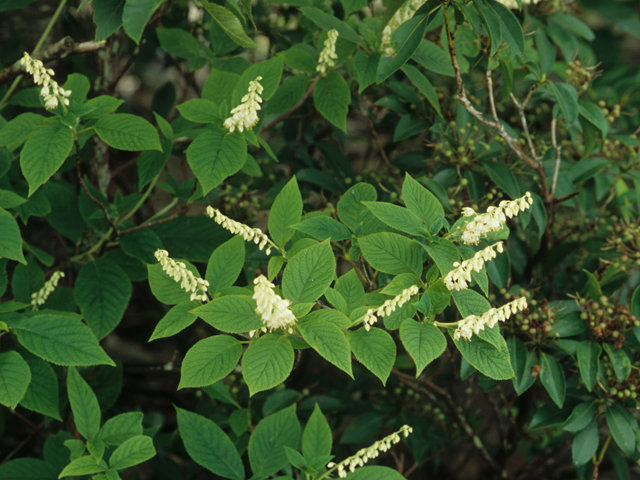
{"x":388,"y":307}
{"x":403,"y":14}
{"x":249,"y":234}
{"x":52,"y":93}
{"x":458,"y":278}
{"x":180,"y":273}
{"x":328,"y":54}
{"x":495,"y":218}
{"x":245,"y":115}
{"x":273,"y":309}
{"x":38,"y":298}
{"x":474,"y":323}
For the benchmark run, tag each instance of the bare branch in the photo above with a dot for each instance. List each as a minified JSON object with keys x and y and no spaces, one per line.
{"x":558,"y":150}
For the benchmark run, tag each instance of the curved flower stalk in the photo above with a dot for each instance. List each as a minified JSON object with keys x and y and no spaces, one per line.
{"x":245,"y":115}
{"x":179,"y":272}
{"x":457,"y":279}
{"x":38,"y":298}
{"x":495,"y":218}
{"x":249,"y":234}
{"x":388,"y":307}
{"x":403,"y":14}
{"x":474,"y":323}
{"x":328,"y":54}
{"x":366,"y":454}
{"x":273,"y":309}
{"x":52,"y":93}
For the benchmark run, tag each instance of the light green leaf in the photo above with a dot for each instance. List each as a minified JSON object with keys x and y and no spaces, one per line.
{"x":397,"y":217}
{"x":225,"y":265}
{"x":486,"y":358}
{"x":20,"y":128}
{"x":231,"y":314}
{"x":165,"y":288}
{"x":128,"y":132}
{"x":375,"y":349}
{"x":176,"y":320}
{"x":229,"y":23}
{"x":424,"y":342}
{"x":15,"y":377}
{"x":421,"y":201}
{"x":351,"y":288}
{"x":331,"y":96}
{"x":588,"y":354}
{"x":84,"y":405}
{"x":308,"y":274}
{"x":132,"y":452}
{"x":317,"y":437}
{"x":215,"y":155}
{"x":121,"y":428}
{"x":219,"y":86}
{"x":270,"y":71}
{"x":44,"y":153}
{"x":209,"y":360}
{"x":61,"y":340}
{"x":85,"y":465}
{"x":444,"y":254}
{"x":199,"y":110}
{"x":285,"y":212}
{"x":552,"y":377}
{"x":209,"y":446}
{"x":266,"y":445}
{"x":374,"y":472}
{"x":391,"y":253}
{"x":267,"y":363}
{"x":329,"y":341}
{"x":42,"y":394}
{"x":581,"y":416}
{"x":406,"y":38}
{"x":98,"y":106}
{"x":323,"y":228}
{"x":10,"y":199}
{"x":135,"y":15}
{"x":10,"y":239}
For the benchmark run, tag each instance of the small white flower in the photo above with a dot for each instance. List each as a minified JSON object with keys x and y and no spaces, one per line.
{"x":245,"y":115}
{"x":180,"y":273}
{"x":38,"y":298}
{"x":328,"y":54}
{"x":388,"y":307}
{"x":249,"y":234}
{"x":474,"y":323}
{"x":52,"y":93}
{"x":404,"y":13}
{"x":458,"y":278}
{"x":512,"y":4}
{"x":273,"y":309}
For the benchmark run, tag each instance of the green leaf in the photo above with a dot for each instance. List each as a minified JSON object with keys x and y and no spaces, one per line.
{"x":391,"y":253}
{"x":215,"y":155}
{"x":502,"y":176}
{"x":593,"y":114}
{"x":10,"y":239}
{"x":619,"y":361}
{"x":522,"y":362}
{"x":435,"y":59}
{"x":288,"y":95}
{"x":107,"y":14}
{"x":423,"y":84}
{"x":328,"y":22}
{"x":586,"y":169}
{"x":219,"y":86}
{"x":199,"y":110}
{"x":492,"y":22}
{"x":309,"y":273}
{"x":270,"y":71}
{"x":351,"y":288}
{"x":102,"y":291}
{"x":585,"y":444}
{"x":132,"y":452}
{"x":165,"y":288}
{"x":82,"y":466}
{"x":285,"y":212}
{"x":61,"y":340}
{"x":317,"y":437}
{"x":42,"y":394}
{"x":567,"y":98}
{"x":28,"y":469}
{"x":16,"y":131}
{"x":329,"y":341}
{"x":366,"y":67}
{"x":331,"y":96}
{"x":512,"y":32}
{"x":135,"y":15}
{"x":424,"y":342}
{"x":209,"y":360}
{"x":267,"y":363}
{"x":323,"y":227}
{"x":44,"y":153}
{"x":581,"y":416}
{"x":141,"y":244}
{"x":178,"y":42}
{"x":301,"y":57}
{"x":375,"y":349}
{"x":121,"y":428}
{"x":128,"y":132}
{"x":421,"y":201}
{"x":486,"y":358}
{"x":266,"y":445}
{"x":209,"y":446}
{"x":84,"y":405}
{"x":231,"y":314}
{"x":15,"y":377}
{"x":407,"y":38}
{"x":444,"y":254}
{"x":98,"y":106}
{"x":620,"y":424}
{"x":374,"y":472}
{"x":552,"y":377}
{"x":588,"y":354}
{"x":225,"y":265}
{"x":397,"y":217}
{"x":229,"y":23}
{"x":10,"y":199}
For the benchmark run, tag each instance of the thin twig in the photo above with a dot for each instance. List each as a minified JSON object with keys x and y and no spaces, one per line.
{"x":492,"y":102}
{"x":523,"y":120}
{"x":286,"y":114}
{"x":558,"y":150}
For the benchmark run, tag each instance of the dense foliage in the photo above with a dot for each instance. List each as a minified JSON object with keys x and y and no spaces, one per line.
{"x":314,"y":240}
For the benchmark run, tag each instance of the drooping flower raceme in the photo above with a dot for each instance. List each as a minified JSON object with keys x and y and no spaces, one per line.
{"x":38,"y":298}
{"x":474,"y":323}
{"x":495,"y":218}
{"x":403,"y":14}
{"x":245,"y":115}
{"x":388,"y":307}
{"x":180,"y":273}
{"x":328,"y":54}
{"x":52,"y":93}
{"x":458,"y":279}
{"x":364,"y":455}
{"x":273,"y":309}
{"x":249,"y":234}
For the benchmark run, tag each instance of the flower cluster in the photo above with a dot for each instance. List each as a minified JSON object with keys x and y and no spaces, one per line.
{"x":328,"y":54}
{"x":245,"y":115}
{"x":179,"y":272}
{"x":457,"y":279}
{"x":39,"y":297}
{"x":273,"y":309}
{"x":403,"y":14}
{"x":474,"y":323}
{"x":52,"y":93}
{"x":494,"y":219}
{"x":249,"y":234}
{"x":514,"y":5}
{"x":364,"y":455}
{"x":388,"y":307}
